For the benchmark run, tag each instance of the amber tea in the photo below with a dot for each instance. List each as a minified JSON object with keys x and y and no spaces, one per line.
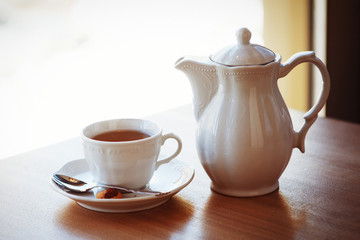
{"x":121,"y":136}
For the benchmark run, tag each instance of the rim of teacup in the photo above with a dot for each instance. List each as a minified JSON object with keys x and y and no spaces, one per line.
{"x":155,"y":131}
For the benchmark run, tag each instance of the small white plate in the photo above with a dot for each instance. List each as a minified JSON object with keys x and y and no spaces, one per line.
{"x":170,"y":177}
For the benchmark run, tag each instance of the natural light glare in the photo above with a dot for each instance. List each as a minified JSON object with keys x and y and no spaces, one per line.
{"x":67,"y":63}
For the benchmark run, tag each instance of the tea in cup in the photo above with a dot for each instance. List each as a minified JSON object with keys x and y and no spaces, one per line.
{"x":124,"y":152}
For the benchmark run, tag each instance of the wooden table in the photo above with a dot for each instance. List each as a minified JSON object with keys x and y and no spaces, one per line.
{"x":319,"y":195}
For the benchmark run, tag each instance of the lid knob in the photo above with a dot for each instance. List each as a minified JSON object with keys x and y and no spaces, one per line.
{"x":243,"y":36}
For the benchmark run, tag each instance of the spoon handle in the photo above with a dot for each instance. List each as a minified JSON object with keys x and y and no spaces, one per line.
{"x":142,"y":191}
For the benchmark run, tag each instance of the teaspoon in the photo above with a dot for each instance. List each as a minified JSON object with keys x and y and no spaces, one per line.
{"x":77,"y":185}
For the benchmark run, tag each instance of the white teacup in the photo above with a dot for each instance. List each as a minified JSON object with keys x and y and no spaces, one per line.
{"x":129,"y":164}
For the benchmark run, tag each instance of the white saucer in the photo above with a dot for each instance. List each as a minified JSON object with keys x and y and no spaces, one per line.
{"x":170,"y":177}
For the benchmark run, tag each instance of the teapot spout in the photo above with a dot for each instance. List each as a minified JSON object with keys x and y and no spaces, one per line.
{"x":202,"y":75}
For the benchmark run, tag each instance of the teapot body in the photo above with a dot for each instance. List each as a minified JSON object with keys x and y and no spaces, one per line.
{"x":245,"y":135}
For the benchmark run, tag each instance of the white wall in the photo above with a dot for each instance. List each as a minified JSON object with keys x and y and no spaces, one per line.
{"x":67,"y":63}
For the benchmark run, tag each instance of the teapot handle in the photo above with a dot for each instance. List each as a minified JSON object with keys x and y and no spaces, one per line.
{"x":312,"y":114}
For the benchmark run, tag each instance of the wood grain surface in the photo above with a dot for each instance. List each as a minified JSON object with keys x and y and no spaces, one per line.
{"x":318,"y":198}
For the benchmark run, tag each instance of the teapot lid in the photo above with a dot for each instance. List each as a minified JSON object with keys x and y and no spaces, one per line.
{"x":244,"y":53}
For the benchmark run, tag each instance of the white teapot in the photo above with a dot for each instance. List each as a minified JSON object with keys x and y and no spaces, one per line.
{"x":245,"y":135}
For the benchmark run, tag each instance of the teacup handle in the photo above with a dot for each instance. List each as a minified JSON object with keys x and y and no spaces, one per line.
{"x":312,"y":114}
{"x":178,"y":150}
